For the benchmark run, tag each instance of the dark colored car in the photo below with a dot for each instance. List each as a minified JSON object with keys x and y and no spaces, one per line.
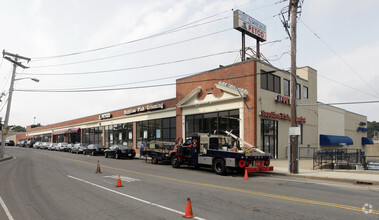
{"x":120,"y":151}
{"x":9,"y":143}
{"x":94,"y":149}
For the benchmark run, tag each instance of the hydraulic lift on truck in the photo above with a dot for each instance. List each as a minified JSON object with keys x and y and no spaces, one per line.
{"x":221,"y":153}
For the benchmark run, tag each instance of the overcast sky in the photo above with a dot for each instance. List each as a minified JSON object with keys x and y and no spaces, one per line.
{"x":156,"y":42}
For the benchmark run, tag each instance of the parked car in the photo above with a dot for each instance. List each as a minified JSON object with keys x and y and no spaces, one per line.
{"x":69,"y":147}
{"x":120,"y":151}
{"x":94,"y":149}
{"x":23,"y":144}
{"x":62,"y":146}
{"x":37,"y":145}
{"x":9,"y":143}
{"x":51,"y":146}
{"x":78,"y":148}
{"x":30,"y":144}
{"x":44,"y":145}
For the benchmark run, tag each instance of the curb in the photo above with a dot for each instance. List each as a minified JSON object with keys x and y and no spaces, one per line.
{"x":354,"y":181}
{"x":5,"y":158}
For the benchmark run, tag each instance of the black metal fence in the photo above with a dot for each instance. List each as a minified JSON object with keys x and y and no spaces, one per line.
{"x":341,"y":158}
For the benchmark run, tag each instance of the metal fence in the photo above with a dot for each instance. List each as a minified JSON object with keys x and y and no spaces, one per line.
{"x":341,"y":158}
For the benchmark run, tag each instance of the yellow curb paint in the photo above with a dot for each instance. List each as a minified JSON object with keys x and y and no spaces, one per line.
{"x":314,"y":202}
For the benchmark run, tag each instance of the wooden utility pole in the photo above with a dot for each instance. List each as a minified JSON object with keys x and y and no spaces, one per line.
{"x":16,"y":57}
{"x":294,"y":168}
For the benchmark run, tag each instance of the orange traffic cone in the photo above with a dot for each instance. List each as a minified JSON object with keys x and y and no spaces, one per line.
{"x":189,"y":213}
{"x":119,"y":182}
{"x":98,"y":170}
{"x":246,"y":175}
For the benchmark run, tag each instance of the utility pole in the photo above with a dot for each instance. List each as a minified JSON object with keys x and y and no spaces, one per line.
{"x":7,"y":56}
{"x":293,"y":6}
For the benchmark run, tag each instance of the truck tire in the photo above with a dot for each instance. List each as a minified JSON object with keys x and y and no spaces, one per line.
{"x":175,"y":162}
{"x":154,"y":159}
{"x":219,"y":166}
{"x":117,"y":156}
{"x":106,"y":155}
{"x":93,"y":153}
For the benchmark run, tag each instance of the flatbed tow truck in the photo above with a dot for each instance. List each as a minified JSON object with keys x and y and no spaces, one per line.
{"x":220,"y":152}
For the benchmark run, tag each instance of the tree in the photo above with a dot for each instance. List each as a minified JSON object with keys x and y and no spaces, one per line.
{"x":372,"y":126}
{"x":17,"y":128}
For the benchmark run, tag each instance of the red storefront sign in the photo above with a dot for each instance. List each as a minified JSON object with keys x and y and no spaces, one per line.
{"x":283,"y":116}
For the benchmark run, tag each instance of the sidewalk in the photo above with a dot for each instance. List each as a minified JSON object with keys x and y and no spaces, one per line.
{"x":369,"y":177}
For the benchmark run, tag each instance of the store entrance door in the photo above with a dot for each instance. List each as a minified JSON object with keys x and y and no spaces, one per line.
{"x":269,"y":137}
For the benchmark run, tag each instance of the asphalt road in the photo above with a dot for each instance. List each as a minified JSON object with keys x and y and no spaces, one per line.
{"x":40,"y":184}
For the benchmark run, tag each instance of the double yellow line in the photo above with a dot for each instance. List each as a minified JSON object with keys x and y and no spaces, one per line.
{"x":288,"y":198}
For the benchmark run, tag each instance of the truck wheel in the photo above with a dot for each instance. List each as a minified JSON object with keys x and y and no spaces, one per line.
{"x":154,"y":160}
{"x":106,"y":155}
{"x":117,"y":156}
{"x":93,"y":153}
{"x":219,"y":166}
{"x":175,"y":162}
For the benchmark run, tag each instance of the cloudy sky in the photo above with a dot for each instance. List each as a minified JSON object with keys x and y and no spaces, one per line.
{"x":78,"y":45}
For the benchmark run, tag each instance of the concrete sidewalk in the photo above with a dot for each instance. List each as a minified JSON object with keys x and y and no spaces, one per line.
{"x":369,"y":177}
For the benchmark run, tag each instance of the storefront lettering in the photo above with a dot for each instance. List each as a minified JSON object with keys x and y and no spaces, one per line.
{"x":144,"y":109}
{"x":283,"y":116}
{"x":105,"y":116}
{"x":283,"y":99}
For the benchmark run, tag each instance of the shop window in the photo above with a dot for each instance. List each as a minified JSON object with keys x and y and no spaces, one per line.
{"x":270,"y":82}
{"x":305,"y":92}
{"x":286,"y":86}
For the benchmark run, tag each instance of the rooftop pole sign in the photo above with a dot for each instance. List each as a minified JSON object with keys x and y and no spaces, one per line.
{"x":249,"y":25}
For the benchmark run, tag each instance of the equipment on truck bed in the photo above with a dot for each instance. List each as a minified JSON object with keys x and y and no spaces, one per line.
{"x":216,"y":151}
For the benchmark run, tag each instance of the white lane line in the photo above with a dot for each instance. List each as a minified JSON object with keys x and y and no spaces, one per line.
{"x":123,"y":178}
{"x":6,"y":209}
{"x":132,"y":197}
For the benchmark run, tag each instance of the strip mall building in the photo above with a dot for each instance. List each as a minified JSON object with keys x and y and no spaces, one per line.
{"x":251,"y":98}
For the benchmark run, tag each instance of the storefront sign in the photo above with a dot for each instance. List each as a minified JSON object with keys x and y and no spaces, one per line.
{"x":361,"y":128}
{"x":249,"y":25}
{"x":283,"y":116}
{"x":283,"y":99}
{"x":144,"y":109}
{"x":244,"y":91}
{"x":105,"y":116}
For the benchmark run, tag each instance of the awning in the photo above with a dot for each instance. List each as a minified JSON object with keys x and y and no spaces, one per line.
{"x":334,"y":140}
{"x":366,"y":140}
{"x":67,"y":131}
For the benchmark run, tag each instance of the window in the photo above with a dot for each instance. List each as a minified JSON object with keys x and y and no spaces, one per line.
{"x":305,"y":92}
{"x":298,"y":91}
{"x":270,"y":82}
{"x":214,"y":123}
{"x":286,"y":86}
{"x":269,"y":137}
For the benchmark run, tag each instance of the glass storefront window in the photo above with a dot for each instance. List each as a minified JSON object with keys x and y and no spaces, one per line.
{"x":214,"y":123}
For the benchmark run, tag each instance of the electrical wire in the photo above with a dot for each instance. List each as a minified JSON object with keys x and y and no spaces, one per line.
{"x":339,"y":57}
{"x":134,"y":52}
{"x":182,"y":27}
{"x":130,"y":68}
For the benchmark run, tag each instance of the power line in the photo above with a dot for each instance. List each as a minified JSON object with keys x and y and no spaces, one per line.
{"x":183,"y":27}
{"x":136,"y":87}
{"x":339,"y":57}
{"x":134,"y":52}
{"x":341,"y":103}
{"x":130,"y":68}
{"x":179,"y":28}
